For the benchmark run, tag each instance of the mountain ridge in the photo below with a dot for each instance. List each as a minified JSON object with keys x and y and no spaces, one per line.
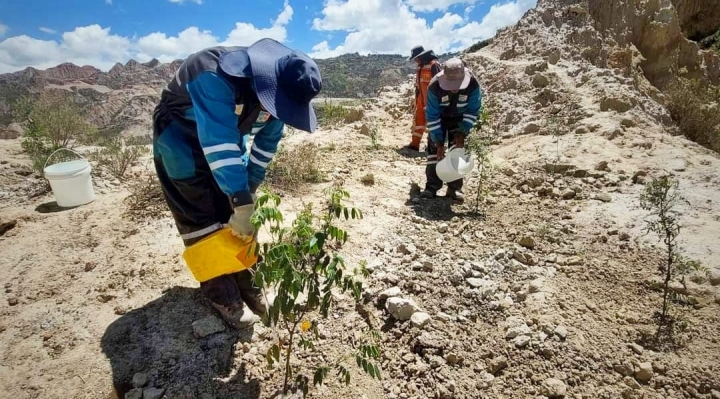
{"x":110,"y":96}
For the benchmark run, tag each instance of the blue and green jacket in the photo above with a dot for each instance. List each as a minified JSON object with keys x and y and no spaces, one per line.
{"x":446,"y":110}
{"x":210,"y":108}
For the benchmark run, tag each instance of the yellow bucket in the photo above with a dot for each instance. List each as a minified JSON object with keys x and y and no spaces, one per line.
{"x":218,"y":254}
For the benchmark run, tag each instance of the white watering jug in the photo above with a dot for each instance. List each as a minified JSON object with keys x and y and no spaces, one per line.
{"x":457,"y":164}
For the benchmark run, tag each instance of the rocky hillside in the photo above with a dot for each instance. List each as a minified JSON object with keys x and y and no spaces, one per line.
{"x":624,"y":53}
{"x":353,"y":75}
{"x":124,"y":96}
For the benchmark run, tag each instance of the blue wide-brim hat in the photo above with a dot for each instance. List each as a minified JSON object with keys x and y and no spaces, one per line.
{"x":285,"y":82}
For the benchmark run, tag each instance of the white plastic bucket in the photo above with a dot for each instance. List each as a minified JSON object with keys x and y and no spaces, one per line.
{"x":70,"y":181}
{"x":457,"y":164}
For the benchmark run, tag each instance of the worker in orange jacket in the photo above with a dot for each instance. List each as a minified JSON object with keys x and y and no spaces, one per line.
{"x":427,"y":67}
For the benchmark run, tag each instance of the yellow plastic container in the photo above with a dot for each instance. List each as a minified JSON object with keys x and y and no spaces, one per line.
{"x":218,"y":254}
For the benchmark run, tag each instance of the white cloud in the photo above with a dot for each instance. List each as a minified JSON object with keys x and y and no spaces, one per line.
{"x":246,"y":34}
{"x":392,"y":26}
{"x":95,"y":41}
{"x":47,"y":30}
{"x":108,"y":1}
{"x":97,"y":46}
{"x":159,"y":45}
{"x":3,"y":30}
{"x":182,"y":1}
{"x":432,"y":5}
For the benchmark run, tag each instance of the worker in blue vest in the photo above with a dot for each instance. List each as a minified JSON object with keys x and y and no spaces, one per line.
{"x":454,"y":99}
{"x":218,"y":98}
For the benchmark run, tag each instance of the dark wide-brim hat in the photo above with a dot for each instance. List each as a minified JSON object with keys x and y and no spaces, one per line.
{"x":285,"y":82}
{"x":417,"y":51}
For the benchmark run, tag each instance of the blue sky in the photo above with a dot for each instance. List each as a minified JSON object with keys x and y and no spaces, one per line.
{"x":43,"y":33}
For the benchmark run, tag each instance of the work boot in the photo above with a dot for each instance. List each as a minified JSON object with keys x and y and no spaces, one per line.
{"x":413,"y":147}
{"x":428,"y":194}
{"x":224,"y":295}
{"x":455,"y":195}
{"x":253,"y":296}
{"x":236,"y":315}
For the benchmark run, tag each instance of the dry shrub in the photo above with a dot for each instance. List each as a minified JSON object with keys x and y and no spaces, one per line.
{"x":146,"y":199}
{"x":368,"y":179}
{"x":53,"y":121}
{"x":329,"y":113}
{"x":118,"y":155}
{"x":292,"y":169}
{"x":695,"y":107}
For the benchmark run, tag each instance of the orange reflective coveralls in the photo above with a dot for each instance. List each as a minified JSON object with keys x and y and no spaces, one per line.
{"x":425,"y":73}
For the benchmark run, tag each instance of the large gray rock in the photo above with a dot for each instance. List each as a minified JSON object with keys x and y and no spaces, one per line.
{"x":522,"y":341}
{"x":531,"y":128}
{"x":389,"y":293}
{"x":714,"y":277}
{"x":540,"y":80}
{"x":517,"y":331}
{"x":618,"y":104}
{"x":604,"y":197}
{"x":400,"y":308}
{"x":420,"y":319}
{"x":536,"y":285}
{"x":537,"y":67}
{"x":527,"y":242}
{"x":207,"y":326}
{"x":153,"y":393}
{"x":625,"y":369}
{"x":497,"y":364}
{"x":140,"y":380}
{"x":487,"y":288}
{"x":136,"y":393}
{"x":554,"y":57}
{"x":554,"y":388}
{"x":644,"y":372}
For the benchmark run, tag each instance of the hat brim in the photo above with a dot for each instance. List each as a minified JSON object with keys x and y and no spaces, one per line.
{"x":453,"y":85}
{"x":264,"y":55}
{"x":416,"y":56}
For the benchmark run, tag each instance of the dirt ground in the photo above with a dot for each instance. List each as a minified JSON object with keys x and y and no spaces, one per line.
{"x":91,"y":297}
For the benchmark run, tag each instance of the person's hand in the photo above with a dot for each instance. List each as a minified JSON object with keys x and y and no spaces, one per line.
{"x":440,"y":152}
{"x":240,"y":223}
{"x":459,"y":141}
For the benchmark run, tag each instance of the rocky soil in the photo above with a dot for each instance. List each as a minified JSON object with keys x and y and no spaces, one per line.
{"x":545,"y":293}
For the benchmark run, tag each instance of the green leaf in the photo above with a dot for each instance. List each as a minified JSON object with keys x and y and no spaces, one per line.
{"x":302,"y":383}
{"x":276,"y":352}
{"x":273,"y":355}
{"x":358,"y":360}
{"x":320,"y":375}
{"x":371,"y":370}
{"x":325,"y":305}
{"x":344,"y":375}
{"x":347,"y":214}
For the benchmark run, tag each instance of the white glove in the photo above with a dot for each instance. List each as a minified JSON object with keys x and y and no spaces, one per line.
{"x":240,"y":222}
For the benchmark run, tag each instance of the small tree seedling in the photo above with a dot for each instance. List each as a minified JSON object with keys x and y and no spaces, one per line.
{"x":661,"y":198}
{"x":302,"y":265}
{"x":478,"y":144}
